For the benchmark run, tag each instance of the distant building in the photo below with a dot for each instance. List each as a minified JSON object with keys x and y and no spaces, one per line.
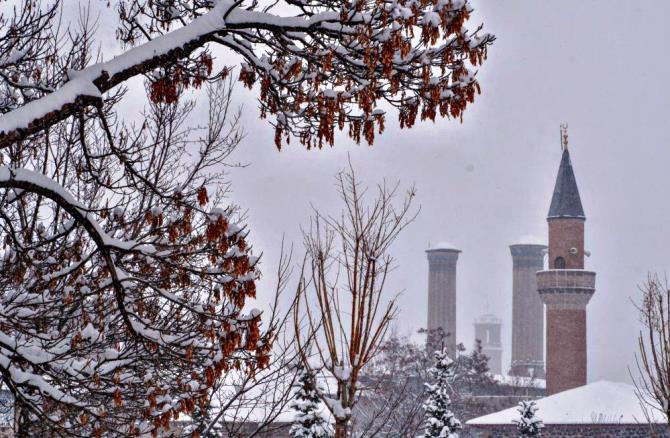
{"x":487,"y":330}
{"x":442,"y":260}
{"x":566,"y":288}
{"x":527,"y":309}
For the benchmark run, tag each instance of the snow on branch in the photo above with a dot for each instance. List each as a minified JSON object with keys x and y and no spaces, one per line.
{"x":122,"y":286}
{"x":331,"y":65}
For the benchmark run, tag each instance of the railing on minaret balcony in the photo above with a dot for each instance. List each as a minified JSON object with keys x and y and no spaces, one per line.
{"x":566,"y":293}
{"x":562,"y":281}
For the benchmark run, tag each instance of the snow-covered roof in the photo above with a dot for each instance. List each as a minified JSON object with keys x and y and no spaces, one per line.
{"x":601,"y":402}
{"x":444,"y":246}
{"x":529,"y":239}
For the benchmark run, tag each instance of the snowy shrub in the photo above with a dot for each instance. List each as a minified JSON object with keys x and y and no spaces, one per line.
{"x":309,"y":420}
{"x":528,"y":424}
{"x":440,"y":422}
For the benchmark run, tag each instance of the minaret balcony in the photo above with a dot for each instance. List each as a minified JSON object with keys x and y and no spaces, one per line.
{"x":566,"y":281}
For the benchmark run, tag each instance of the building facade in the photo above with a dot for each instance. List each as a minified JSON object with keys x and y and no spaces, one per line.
{"x":488,"y":331}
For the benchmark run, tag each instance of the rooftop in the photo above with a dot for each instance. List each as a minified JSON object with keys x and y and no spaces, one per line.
{"x":602,"y":402}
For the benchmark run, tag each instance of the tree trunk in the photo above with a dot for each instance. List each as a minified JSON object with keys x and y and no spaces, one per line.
{"x":341,"y":428}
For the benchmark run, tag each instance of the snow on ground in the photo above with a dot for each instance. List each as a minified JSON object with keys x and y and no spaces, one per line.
{"x":602,"y":402}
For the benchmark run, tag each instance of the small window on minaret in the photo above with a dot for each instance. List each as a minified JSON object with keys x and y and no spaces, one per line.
{"x":559,"y":263}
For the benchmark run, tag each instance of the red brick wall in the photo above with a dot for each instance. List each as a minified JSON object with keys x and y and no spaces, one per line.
{"x":566,"y":349}
{"x":564,"y":234}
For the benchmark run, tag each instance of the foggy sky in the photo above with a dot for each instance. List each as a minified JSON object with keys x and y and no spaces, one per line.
{"x":602,"y":67}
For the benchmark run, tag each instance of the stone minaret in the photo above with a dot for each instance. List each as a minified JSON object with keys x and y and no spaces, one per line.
{"x":442,"y":293}
{"x":487,"y":330}
{"x":527,"y":311}
{"x":566,"y":287}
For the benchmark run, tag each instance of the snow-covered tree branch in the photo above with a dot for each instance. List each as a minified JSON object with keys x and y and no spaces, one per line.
{"x":123,"y":287}
{"x":321,"y":64}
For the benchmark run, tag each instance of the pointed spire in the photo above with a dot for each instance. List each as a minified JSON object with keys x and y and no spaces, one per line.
{"x":566,"y":201}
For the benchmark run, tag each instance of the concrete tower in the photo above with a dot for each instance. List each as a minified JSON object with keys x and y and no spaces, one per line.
{"x":442,"y":292}
{"x":487,"y":330}
{"x":566,"y":287}
{"x":527,"y":311}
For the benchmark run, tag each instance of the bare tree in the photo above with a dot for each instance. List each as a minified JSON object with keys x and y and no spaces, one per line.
{"x":653,"y":359}
{"x":342,"y":294}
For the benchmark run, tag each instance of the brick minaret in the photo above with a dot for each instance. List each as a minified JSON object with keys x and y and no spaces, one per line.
{"x":487,"y":330}
{"x":566,"y":287}
{"x":527,"y":311}
{"x":442,"y":292}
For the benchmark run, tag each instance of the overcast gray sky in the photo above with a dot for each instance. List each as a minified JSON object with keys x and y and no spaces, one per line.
{"x":601,"y":66}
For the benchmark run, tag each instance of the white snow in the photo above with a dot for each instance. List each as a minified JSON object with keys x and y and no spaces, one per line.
{"x":15,"y":175}
{"x":81,"y":81}
{"x":444,"y":245}
{"x":336,"y":408}
{"x":529,"y":239}
{"x":520,"y":382}
{"x":342,"y":373}
{"x":431,"y":18}
{"x":68,"y":93}
{"x":601,"y":402}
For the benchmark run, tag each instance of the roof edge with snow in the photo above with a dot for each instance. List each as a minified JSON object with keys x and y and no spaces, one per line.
{"x":601,"y":402}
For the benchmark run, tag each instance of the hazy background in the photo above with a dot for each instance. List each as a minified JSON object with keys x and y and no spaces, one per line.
{"x":601,"y":66}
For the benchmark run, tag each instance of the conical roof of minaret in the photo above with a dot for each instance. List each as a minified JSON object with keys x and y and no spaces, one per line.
{"x":566,"y":201}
